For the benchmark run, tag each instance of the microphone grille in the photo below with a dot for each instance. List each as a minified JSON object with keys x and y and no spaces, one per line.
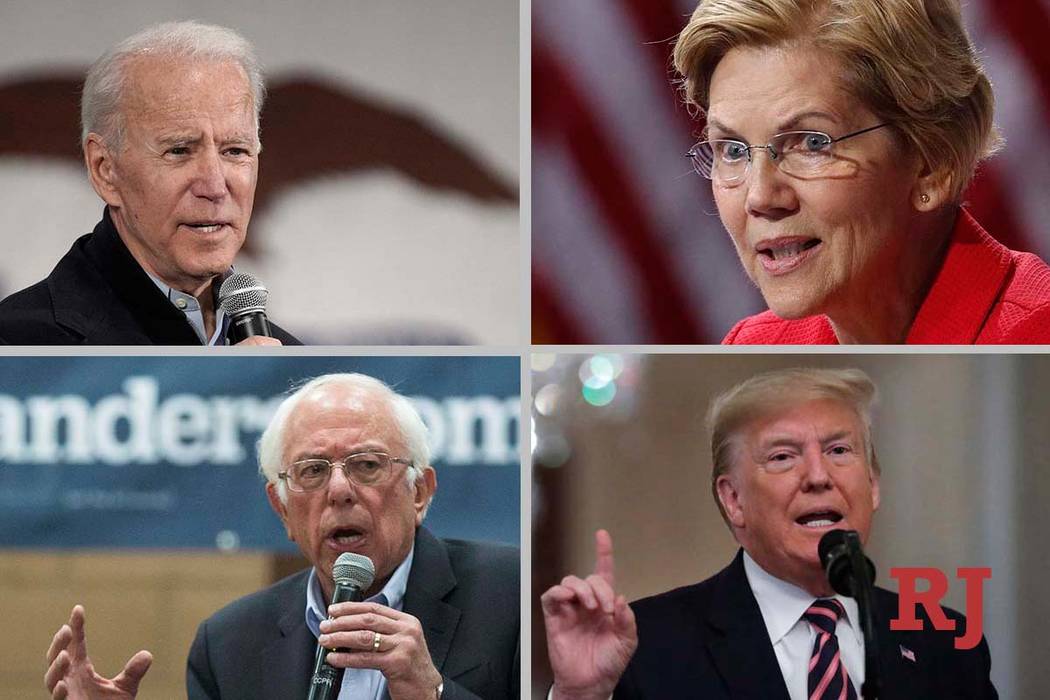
{"x":354,"y":569}
{"x":242,"y":292}
{"x":830,"y":540}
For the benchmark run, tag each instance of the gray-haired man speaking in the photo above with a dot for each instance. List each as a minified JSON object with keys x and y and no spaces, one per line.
{"x":170,"y":133}
{"x":347,"y":467}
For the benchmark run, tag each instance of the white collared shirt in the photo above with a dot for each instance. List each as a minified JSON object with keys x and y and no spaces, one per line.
{"x":782,"y":605}
{"x":359,"y":683}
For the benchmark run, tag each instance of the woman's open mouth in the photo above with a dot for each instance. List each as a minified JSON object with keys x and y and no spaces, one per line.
{"x":780,"y":256}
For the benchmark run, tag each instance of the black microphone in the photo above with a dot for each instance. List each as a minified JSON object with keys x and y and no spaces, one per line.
{"x":852,"y":574}
{"x":353,"y":574}
{"x":243,"y":298}
{"x":841,"y":556}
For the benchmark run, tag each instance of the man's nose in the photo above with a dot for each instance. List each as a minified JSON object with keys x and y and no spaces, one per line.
{"x":209,"y":181}
{"x":769,"y":191}
{"x":816,"y":472}
{"x":340,"y":488}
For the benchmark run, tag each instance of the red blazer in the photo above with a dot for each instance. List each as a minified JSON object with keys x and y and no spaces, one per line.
{"x":984,"y":293}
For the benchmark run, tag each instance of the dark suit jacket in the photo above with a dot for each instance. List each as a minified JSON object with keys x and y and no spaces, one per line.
{"x":466,"y":596}
{"x":98,"y":295}
{"x":708,"y":641}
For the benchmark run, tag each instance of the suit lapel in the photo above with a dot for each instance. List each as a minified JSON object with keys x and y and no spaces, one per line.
{"x":738,"y":641}
{"x":287,"y":661}
{"x":429,"y":582}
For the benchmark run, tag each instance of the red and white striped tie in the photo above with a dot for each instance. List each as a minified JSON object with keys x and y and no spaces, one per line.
{"x":828,"y":679}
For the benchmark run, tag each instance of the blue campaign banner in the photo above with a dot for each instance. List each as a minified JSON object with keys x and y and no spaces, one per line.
{"x":155,"y":452}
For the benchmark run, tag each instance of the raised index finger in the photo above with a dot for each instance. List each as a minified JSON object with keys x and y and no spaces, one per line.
{"x":603,"y":557}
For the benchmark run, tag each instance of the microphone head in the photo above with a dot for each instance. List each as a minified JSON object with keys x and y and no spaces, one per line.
{"x":836,"y":559}
{"x":829,"y":542}
{"x":355,"y":570}
{"x":242,"y":293}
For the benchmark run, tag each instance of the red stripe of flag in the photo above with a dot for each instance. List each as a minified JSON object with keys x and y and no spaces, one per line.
{"x":552,"y":323}
{"x":1027,"y":22}
{"x":559,"y":110}
{"x":659,"y":22}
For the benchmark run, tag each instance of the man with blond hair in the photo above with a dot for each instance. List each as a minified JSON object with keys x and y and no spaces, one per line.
{"x":793,"y":460}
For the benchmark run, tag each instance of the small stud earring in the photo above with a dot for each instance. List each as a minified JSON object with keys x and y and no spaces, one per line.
{"x":924,"y":198}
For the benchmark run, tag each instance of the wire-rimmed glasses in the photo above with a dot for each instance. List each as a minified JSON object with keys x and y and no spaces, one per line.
{"x":362,"y":468}
{"x":799,"y":153}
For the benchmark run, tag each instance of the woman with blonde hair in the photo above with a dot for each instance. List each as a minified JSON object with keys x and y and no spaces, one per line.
{"x":840,"y":136}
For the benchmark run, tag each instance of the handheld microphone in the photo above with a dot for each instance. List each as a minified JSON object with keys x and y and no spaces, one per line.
{"x":243,"y":298}
{"x":843,"y":560}
{"x":353,"y":574}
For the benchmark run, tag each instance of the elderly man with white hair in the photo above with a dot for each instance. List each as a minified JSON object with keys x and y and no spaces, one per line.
{"x":170,"y":134}
{"x":347,"y":469}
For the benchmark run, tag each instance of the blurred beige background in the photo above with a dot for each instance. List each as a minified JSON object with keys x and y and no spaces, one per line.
{"x":133,"y":600}
{"x":962,"y":440}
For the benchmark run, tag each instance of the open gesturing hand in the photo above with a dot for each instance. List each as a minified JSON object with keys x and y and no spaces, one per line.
{"x":71,"y":675}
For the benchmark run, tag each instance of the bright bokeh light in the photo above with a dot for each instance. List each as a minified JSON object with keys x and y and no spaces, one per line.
{"x":600,"y":395}
{"x":542,"y":361}
{"x":601,"y":367}
{"x":548,"y":399}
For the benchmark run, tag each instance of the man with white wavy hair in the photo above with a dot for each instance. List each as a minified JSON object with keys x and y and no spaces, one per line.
{"x":170,"y":134}
{"x":347,"y":469}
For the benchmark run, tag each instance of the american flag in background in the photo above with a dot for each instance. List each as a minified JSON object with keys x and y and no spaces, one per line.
{"x":627,"y":246}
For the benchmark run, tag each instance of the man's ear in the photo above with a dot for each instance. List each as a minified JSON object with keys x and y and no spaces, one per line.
{"x":426,"y":486}
{"x":278,"y":507}
{"x":730,"y":499}
{"x":101,"y":169}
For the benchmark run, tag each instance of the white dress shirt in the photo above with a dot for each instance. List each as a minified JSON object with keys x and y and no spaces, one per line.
{"x":782,"y":605}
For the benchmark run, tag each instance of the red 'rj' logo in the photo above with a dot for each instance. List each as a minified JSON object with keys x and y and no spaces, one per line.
{"x":930,"y":599}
